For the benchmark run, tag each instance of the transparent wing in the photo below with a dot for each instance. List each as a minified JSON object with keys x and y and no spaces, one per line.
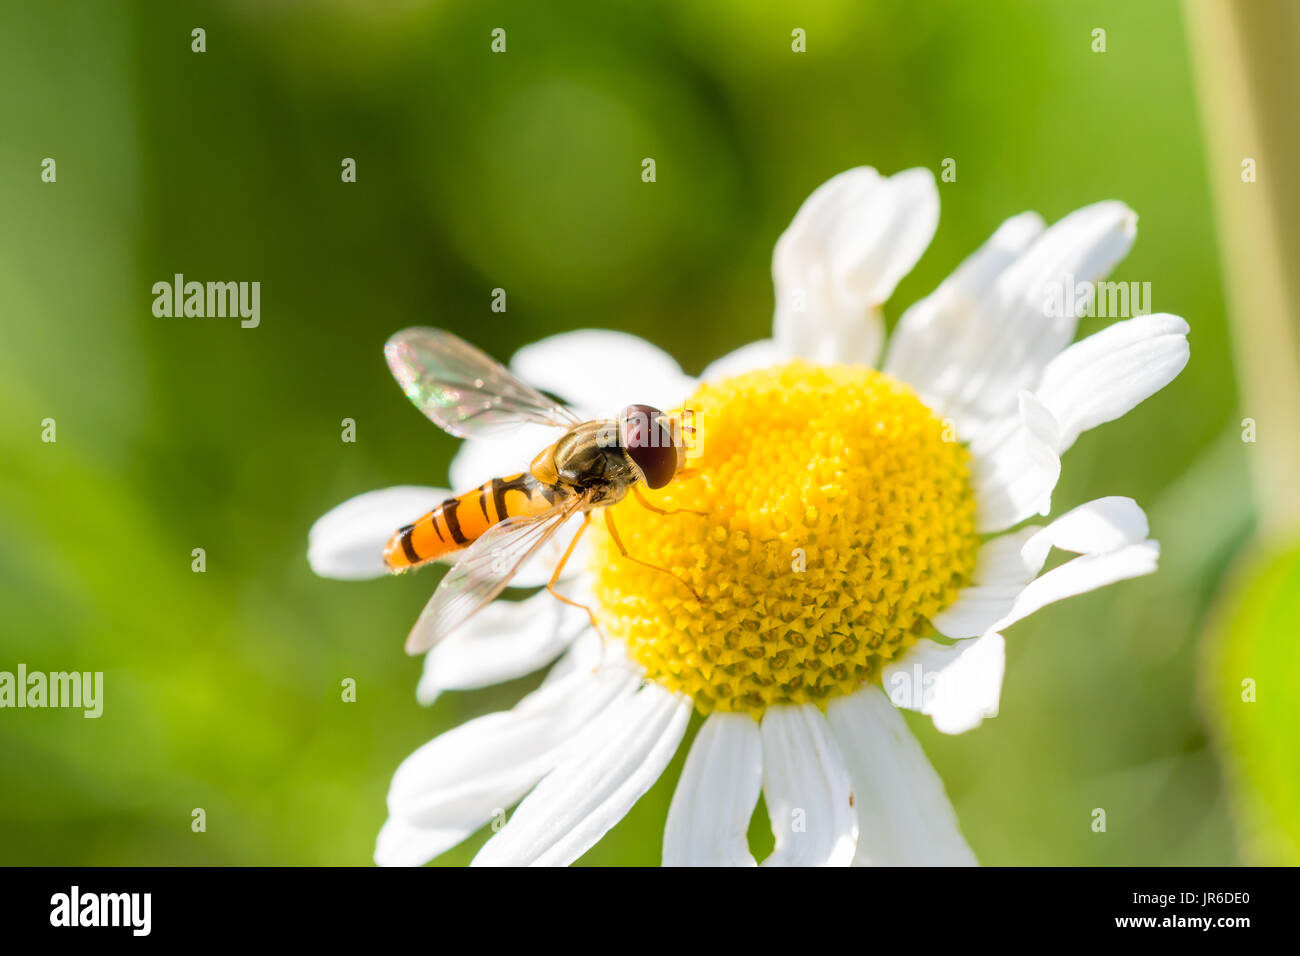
{"x":462,"y":390}
{"x":483,"y":572}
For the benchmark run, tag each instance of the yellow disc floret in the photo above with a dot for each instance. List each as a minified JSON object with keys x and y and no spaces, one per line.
{"x":839,"y":519}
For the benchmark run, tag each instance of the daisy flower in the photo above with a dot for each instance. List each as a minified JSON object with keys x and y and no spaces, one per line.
{"x":863,"y":551}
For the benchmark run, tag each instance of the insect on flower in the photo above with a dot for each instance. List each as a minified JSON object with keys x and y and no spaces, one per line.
{"x":856,"y":559}
{"x":506,"y":520}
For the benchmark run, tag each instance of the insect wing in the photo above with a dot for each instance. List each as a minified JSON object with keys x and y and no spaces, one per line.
{"x":462,"y":390}
{"x":484,"y":571}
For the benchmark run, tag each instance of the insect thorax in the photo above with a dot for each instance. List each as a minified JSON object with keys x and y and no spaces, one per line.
{"x":590,"y":458}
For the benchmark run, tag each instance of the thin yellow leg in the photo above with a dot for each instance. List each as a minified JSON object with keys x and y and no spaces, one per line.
{"x":550,"y":585}
{"x":636,"y":491}
{"x":613,"y":533}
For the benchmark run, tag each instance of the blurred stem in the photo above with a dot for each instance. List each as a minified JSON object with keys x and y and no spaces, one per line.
{"x":1245,"y":54}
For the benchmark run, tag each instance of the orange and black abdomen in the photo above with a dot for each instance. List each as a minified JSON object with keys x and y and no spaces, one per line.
{"x":459,"y":522}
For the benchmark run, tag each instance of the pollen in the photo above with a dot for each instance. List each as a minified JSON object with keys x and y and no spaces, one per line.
{"x":838,"y":518}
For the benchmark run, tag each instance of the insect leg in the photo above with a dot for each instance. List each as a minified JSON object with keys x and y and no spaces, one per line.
{"x":550,"y":585}
{"x":613,"y":533}
{"x":645,"y":503}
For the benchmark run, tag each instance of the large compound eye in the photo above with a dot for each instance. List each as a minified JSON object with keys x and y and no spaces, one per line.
{"x":648,"y":443}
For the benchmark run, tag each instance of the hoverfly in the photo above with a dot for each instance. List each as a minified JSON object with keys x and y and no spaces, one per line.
{"x":493,"y":529}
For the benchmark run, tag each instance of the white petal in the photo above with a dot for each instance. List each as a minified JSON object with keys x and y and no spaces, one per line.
{"x":599,"y":371}
{"x":1096,"y":527}
{"x":1015,"y":468}
{"x":348,"y":541}
{"x":927,"y":348}
{"x":589,"y":792}
{"x":402,"y":844}
{"x":1107,"y":374}
{"x":708,"y":821}
{"x":1084,"y":246}
{"x":764,"y":353}
{"x":1001,"y":573}
{"x":456,"y":783}
{"x":1085,"y":573}
{"x":505,"y":640}
{"x":499,"y":745}
{"x":1016,"y":463}
{"x":957,"y":685}
{"x":807,"y":790}
{"x":590,"y":652}
{"x":1010,"y":333}
{"x":906,"y":818}
{"x":1110,"y":533}
{"x":879,"y":237}
{"x":847,"y":248}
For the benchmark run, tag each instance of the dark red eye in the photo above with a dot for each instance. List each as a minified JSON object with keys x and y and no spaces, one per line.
{"x":648,"y":443}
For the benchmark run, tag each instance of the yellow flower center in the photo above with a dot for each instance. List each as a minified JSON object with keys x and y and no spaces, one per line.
{"x":840,"y":519}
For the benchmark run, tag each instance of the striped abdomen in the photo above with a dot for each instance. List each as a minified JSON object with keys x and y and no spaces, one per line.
{"x":459,"y":521}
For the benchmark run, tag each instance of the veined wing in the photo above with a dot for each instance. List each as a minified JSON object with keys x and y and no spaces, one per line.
{"x":462,"y":390}
{"x":484,"y":570}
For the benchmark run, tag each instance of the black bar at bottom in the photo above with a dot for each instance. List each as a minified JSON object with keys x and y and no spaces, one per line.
{"x":677,"y":907}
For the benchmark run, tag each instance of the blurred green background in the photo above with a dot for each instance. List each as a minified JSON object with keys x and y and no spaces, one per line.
{"x":522,"y":171}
